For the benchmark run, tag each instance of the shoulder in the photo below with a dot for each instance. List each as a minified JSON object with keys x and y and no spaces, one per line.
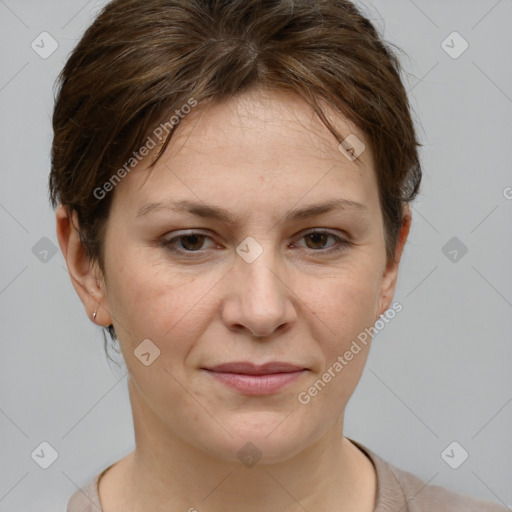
{"x":422,"y":496}
{"x":86,"y":499}
{"x":398,"y":489}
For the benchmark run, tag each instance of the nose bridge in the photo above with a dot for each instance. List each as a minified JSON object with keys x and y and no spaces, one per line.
{"x":263,"y":304}
{"x":258,"y":266}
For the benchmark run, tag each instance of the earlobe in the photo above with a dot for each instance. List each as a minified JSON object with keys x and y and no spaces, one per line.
{"x":81,"y":270}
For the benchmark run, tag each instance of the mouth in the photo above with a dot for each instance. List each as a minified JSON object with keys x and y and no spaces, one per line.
{"x":250,"y":379}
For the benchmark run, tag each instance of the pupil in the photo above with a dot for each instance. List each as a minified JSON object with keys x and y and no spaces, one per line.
{"x":188,"y":237}
{"x":315,"y":237}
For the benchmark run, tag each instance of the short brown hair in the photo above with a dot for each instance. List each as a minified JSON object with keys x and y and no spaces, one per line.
{"x":142,"y":59}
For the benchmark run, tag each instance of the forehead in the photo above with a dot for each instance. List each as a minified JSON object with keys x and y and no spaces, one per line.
{"x":281,"y":120}
{"x":256,"y":138}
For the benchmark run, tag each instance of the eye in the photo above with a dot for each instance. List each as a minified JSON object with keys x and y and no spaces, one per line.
{"x":317,"y":239}
{"x":186,"y":243}
{"x":193,"y":242}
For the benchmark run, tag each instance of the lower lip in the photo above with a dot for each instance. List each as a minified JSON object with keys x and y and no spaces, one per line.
{"x":256,"y":384}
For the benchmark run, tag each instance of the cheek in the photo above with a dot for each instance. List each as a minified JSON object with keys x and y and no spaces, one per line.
{"x":158,"y":303}
{"x":344,"y":304}
{"x":342,"y":312}
{"x":341,"y":307}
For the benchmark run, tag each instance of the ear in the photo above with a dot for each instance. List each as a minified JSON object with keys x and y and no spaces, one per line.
{"x":389,"y":278}
{"x":84,"y":275}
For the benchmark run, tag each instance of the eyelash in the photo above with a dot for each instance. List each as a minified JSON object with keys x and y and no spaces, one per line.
{"x":341,"y":245}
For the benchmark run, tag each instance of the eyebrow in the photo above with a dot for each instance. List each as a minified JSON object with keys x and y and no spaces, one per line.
{"x":214,"y":212}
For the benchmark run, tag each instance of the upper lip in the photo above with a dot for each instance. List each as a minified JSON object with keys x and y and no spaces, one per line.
{"x":254,"y":369}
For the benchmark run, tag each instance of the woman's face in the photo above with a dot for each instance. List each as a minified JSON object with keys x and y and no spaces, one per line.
{"x":256,"y":286}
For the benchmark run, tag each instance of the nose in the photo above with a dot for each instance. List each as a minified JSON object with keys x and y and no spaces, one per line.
{"x":259,"y":301}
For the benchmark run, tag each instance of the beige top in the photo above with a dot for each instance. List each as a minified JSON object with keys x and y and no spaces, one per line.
{"x":397,"y":491}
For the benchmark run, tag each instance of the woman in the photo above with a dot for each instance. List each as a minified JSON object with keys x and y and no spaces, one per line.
{"x":232,"y":182}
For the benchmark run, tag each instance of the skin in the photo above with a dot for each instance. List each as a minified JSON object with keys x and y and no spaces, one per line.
{"x":259,"y":155}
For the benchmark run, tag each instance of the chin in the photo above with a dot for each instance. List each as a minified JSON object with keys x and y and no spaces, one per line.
{"x":259,"y":439}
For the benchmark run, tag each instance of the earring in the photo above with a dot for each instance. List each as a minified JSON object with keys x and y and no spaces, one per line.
{"x":94,"y":315}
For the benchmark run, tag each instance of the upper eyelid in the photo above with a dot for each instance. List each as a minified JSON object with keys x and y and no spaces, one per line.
{"x":304,"y":232}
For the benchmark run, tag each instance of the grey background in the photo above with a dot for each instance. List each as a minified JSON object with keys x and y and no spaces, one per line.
{"x":439,"y":372}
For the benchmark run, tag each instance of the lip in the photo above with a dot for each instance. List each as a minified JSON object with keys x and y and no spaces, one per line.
{"x":248,"y":368}
{"x":251,"y":379}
